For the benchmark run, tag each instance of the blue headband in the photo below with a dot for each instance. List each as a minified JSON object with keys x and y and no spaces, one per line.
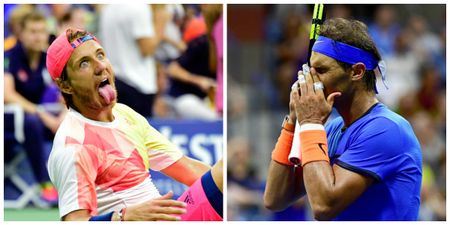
{"x":349,"y":54}
{"x":344,"y":52}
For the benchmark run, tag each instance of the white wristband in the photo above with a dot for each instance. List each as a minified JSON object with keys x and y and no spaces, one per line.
{"x":311,"y":126}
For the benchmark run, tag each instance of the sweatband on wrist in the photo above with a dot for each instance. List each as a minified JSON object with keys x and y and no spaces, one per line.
{"x":282,"y":149}
{"x":103,"y":217}
{"x":313,"y":139}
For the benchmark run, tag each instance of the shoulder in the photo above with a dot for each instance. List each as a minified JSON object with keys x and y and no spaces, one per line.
{"x":13,"y":56}
{"x":128,"y":113}
{"x":385,"y":131}
{"x":125,"y":110}
{"x":383,"y":119}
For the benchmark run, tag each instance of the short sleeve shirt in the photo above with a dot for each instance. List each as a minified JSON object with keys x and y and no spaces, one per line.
{"x":195,"y":60}
{"x":102,"y":166}
{"x":382,"y":145}
{"x":29,"y":83}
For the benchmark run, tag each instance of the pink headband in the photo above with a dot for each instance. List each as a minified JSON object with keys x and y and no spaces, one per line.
{"x":60,"y":51}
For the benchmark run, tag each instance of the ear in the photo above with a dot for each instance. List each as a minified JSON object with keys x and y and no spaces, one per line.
{"x":358,"y":71}
{"x":64,"y":86}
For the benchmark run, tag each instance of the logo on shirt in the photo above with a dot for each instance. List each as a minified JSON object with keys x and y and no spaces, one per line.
{"x":189,"y":199}
{"x":22,"y":75}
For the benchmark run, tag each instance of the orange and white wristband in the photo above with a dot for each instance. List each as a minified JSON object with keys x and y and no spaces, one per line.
{"x":313,"y":142}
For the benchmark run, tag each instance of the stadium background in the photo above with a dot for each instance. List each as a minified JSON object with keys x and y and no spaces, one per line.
{"x":267,"y":44}
{"x":198,"y":138}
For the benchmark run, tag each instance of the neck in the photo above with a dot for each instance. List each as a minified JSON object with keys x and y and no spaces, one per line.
{"x":352,"y":107}
{"x":33,"y":58}
{"x":102,"y":115}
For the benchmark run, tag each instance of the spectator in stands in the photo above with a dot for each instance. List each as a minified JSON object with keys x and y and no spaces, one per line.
{"x":403,"y":70}
{"x":26,"y":83}
{"x":194,"y":72}
{"x":170,"y":48}
{"x":384,"y":29}
{"x":14,"y":27}
{"x":130,"y":37}
{"x":74,"y":17}
{"x":217,"y":35}
{"x":172,"y":45}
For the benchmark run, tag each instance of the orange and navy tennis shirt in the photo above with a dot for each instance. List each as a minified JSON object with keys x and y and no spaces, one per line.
{"x":103,"y":166}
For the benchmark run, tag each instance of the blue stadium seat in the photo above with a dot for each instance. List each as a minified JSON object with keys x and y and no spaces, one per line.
{"x":27,"y":190}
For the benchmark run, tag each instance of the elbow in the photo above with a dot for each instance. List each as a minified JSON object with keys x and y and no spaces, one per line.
{"x":322,"y":212}
{"x":273,"y":204}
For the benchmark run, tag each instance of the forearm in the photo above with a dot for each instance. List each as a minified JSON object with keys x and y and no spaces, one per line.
{"x":15,"y":98}
{"x":149,"y":45}
{"x":318,"y":174}
{"x":50,"y":121}
{"x":177,"y":72}
{"x":196,"y":168}
{"x":83,"y":215}
{"x":180,"y":45}
{"x":284,"y":186}
{"x":319,"y":181}
{"x":186,"y":170}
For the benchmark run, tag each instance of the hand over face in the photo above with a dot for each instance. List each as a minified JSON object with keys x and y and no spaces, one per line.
{"x":309,"y":100}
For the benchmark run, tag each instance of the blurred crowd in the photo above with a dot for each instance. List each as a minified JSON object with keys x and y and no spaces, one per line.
{"x":266,"y":52}
{"x":167,"y":60}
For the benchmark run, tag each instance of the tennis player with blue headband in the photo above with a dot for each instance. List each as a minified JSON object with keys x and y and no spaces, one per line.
{"x":365,"y":164}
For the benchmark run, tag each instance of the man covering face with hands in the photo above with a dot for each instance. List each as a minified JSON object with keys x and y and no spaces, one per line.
{"x":365,"y":164}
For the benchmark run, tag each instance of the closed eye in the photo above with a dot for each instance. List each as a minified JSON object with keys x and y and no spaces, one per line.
{"x":321,"y":70}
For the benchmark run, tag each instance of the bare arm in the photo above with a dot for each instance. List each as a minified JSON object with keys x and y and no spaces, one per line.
{"x":186,"y":170}
{"x":11,"y":95}
{"x":162,"y":208}
{"x":148,"y":45}
{"x":284,"y":183}
{"x":52,"y":122}
{"x":332,"y":189}
{"x":284,"y":186}
{"x":178,"y":72}
{"x":217,"y":174}
{"x":180,"y":45}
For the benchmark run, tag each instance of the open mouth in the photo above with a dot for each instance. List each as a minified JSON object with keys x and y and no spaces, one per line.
{"x":106,"y":91}
{"x":104,"y":83}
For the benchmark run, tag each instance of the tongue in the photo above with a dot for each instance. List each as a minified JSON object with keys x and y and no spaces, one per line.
{"x":107,"y":93}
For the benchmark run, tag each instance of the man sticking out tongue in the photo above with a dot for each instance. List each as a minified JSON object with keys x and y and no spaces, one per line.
{"x":103,"y":150}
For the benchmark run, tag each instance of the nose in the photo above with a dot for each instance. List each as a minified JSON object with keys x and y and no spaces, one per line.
{"x":100,"y":67}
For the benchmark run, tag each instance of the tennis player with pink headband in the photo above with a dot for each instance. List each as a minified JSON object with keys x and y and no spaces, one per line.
{"x":103,"y":150}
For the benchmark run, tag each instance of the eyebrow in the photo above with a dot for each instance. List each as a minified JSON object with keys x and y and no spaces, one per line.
{"x":316,"y":64}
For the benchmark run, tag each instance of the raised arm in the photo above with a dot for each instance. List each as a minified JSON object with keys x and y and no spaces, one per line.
{"x":331,"y":189}
{"x":284,"y":186}
{"x":284,"y":182}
